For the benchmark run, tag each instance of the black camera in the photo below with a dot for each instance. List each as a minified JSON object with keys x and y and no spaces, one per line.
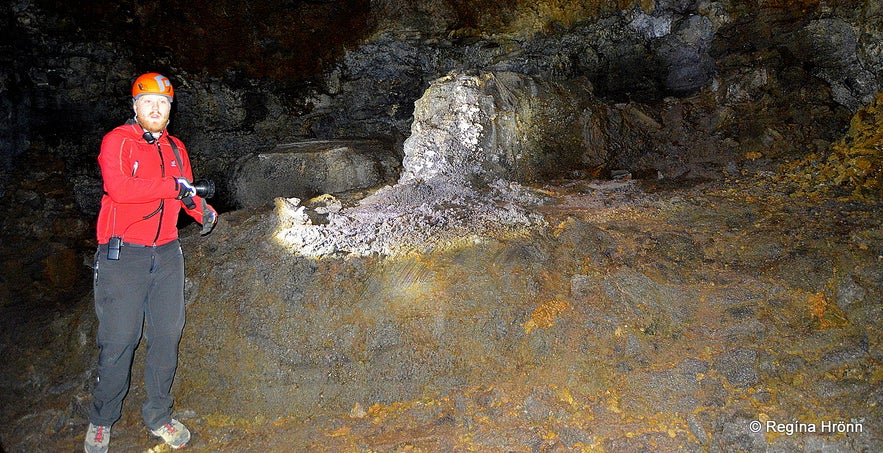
{"x":204,"y":188}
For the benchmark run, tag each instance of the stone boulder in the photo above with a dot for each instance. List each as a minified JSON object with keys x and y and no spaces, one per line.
{"x":307,"y":168}
{"x":832,"y":47}
{"x":501,"y":125}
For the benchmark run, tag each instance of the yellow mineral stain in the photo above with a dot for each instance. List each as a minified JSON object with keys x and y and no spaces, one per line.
{"x":546,"y":314}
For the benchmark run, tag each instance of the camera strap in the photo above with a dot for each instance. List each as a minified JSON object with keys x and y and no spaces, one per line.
{"x":177,"y":154}
{"x":187,"y":201}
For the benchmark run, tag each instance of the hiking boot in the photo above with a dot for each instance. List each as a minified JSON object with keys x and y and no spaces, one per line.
{"x":97,"y":439}
{"x":173,"y":433}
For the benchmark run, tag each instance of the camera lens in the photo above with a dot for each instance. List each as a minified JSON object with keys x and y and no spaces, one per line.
{"x":204,"y":188}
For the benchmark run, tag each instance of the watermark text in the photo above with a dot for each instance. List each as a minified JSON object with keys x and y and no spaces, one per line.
{"x":797,"y":427}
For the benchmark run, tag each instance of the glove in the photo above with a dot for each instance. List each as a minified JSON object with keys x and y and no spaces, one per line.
{"x":209,"y":218}
{"x":185,"y":188}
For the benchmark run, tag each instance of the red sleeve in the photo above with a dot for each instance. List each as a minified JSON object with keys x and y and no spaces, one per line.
{"x":187,"y":172}
{"x":117,"y":170}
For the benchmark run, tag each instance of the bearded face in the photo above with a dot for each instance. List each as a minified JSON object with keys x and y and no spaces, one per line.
{"x":152,"y":112}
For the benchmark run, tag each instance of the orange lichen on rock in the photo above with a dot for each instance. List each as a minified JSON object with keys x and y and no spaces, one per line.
{"x":854,"y":164}
{"x":825,"y":314}
{"x":546,"y":314}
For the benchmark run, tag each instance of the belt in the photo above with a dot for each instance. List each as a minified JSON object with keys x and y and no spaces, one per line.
{"x":132,"y":244}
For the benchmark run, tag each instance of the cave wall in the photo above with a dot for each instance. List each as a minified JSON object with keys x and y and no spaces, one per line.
{"x":249,"y":75}
{"x":709,"y":84}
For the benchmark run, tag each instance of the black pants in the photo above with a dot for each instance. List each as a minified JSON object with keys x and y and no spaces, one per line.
{"x":144,"y":287}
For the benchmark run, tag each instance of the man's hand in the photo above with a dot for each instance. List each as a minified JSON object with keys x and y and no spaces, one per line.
{"x":185,"y":188}
{"x":209,"y":218}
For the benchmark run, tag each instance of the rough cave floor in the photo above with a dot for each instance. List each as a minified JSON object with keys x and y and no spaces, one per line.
{"x":646,"y":317}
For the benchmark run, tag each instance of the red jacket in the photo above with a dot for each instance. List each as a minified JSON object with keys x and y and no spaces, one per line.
{"x":139,"y":203}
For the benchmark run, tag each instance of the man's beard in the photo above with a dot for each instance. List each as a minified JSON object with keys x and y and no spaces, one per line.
{"x":152,"y":126}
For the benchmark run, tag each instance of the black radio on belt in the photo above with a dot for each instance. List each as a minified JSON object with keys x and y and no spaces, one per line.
{"x":113,"y":247}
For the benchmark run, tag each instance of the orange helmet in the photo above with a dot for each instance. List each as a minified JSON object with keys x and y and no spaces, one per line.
{"x":152,"y":83}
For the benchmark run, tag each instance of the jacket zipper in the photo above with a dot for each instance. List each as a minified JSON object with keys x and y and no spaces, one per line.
{"x":162,"y":168}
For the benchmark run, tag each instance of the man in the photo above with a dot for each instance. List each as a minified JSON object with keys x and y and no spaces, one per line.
{"x":139,"y":265}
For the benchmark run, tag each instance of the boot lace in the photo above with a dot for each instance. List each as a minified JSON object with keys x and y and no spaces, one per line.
{"x":99,"y":434}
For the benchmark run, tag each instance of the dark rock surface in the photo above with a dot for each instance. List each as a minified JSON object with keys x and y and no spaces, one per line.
{"x":766,"y":72}
{"x":467,"y":310}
